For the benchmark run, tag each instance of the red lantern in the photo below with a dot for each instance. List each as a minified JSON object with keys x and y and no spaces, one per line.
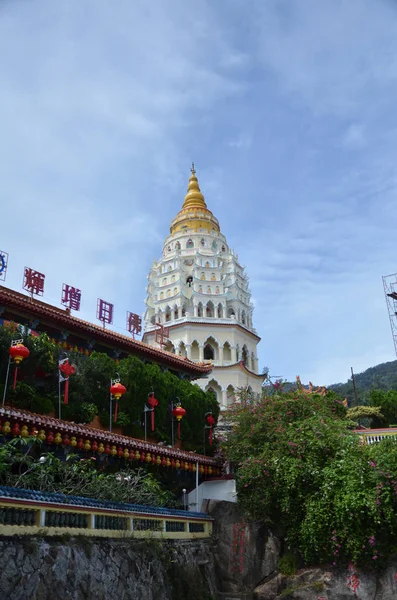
{"x":179,"y":413}
{"x":117,"y":390}
{"x":120,"y":451}
{"x":80,"y":444}
{"x":107,"y":449}
{"x":164,"y":462}
{"x":211,"y":423}
{"x":153,"y":402}
{"x":172,"y":463}
{"x":18,"y":353}
{"x":50,"y":438}
{"x":15,"y":430}
{"x":66,"y":440}
{"x":143,"y":457}
{"x":94,"y":446}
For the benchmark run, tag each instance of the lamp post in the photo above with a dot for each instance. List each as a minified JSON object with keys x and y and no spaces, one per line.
{"x":184,"y":499}
{"x":210,"y":425}
{"x":18,"y":352}
{"x":178,"y":412}
{"x":153,"y":402}
{"x":116,"y":390}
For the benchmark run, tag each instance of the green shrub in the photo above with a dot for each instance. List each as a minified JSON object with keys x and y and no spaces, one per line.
{"x":288,"y":564}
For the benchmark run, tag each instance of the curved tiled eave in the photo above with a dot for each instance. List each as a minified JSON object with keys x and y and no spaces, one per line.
{"x":50,"y":424}
{"x":54,"y":316}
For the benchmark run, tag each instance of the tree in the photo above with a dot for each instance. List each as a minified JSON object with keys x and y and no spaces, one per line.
{"x":300,"y":470}
{"x":387,"y":402}
{"x":37,"y":389}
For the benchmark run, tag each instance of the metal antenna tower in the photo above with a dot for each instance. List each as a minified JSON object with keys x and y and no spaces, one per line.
{"x":390,"y":287}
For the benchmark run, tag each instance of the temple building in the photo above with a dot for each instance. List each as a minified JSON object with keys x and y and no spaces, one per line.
{"x":198,"y":298}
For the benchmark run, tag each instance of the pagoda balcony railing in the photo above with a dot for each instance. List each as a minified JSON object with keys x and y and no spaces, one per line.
{"x":31,"y":512}
{"x":204,"y":320}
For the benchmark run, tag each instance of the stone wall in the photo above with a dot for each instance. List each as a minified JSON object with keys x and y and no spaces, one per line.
{"x":83,"y":568}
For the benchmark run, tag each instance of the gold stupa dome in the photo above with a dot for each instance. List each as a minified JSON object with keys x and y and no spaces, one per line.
{"x":194,"y":214}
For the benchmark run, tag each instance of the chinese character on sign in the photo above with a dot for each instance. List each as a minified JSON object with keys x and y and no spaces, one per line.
{"x":33,"y":282}
{"x":161,"y":334}
{"x":104,"y":311}
{"x":134,"y":324}
{"x":3,"y":265}
{"x":71,"y":297}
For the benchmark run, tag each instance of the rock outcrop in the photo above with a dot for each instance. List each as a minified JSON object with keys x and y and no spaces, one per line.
{"x":84,"y":568}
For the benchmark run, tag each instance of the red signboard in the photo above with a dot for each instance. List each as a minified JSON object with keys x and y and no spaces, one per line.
{"x":134,"y":324}
{"x":104,"y":311}
{"x":33,"y":281}
{"x":71,"y":297}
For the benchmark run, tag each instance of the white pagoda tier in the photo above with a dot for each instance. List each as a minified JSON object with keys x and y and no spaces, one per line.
{"x":199,"y":291}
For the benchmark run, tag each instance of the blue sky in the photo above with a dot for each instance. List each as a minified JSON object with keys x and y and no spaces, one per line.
{"x":288,"y":109}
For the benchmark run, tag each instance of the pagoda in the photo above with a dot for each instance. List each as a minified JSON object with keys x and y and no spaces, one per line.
{"x":198,"y":297}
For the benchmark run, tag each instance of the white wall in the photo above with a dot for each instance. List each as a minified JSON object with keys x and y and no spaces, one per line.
{"x":212,"y":490}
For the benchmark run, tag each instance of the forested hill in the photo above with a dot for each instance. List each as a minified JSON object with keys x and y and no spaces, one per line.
{"x":381,"y":377}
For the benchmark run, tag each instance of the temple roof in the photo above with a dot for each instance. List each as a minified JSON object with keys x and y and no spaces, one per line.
{"x":17,"y":305}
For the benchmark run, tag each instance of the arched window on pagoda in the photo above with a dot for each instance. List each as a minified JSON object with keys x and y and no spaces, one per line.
{"x":208,"y":352}
{"x":199,"y":309}
{"x":176,"y":312}
{"x":184,"y":310}
{"x":220,"y":311}
{"x":209,"y":311}
{"x":167,"y":314}
{"x":189,"y":243}
{"x":177,"y":246}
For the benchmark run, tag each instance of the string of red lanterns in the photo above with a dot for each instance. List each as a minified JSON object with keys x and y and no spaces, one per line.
{"x":88,"y":445}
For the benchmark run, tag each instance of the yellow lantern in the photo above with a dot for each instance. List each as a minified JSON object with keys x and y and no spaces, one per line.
{"x":201,"y":469}
{"x":148,"y":458}
{"x":137,"y":455}
{"x":58,"y":438}
{"x":73,"y":442}
{"x":168,"y":462}
{"x":87,"y":445}
{"x":113,"y":450}
{"x":24,"y":431}
{"x":42,"y":436}
{"x":177,"y":464}
{"x":194,"y":468}
{"x":209,"y":470}
{"x":126,"y":453}
{"x":101,"y":448}
{"x":158,"y":460}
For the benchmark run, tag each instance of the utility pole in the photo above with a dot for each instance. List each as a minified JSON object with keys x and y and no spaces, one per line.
{"x":354,"y":387}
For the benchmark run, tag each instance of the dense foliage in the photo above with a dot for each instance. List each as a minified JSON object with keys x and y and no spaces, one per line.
{"x":22,"y":465}
{"x":386,"y":402}
{"x":37,"y":390}
{"x":301,"y":470}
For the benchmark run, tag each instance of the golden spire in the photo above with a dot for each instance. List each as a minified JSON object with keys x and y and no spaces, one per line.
{"x":194,"y":214}
{"x":194,"y":198}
